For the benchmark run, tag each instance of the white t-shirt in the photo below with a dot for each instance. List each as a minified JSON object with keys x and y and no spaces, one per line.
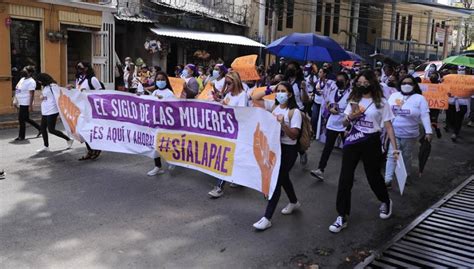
{"x":219,"y":84}
{"x":409,"y":111}
{"x":387,"y":90}
{"x":325,"y":87}
{"x":165,"y":94}
{"x":374,"y":118}
{"x":23,"y":89}
{"x":296,"y":90}
{"x":238,"y":100}
{"x":296,"y":122}
{"x":48,"y":105}
{"x":83,"y":84}
{"x":335,"y":121}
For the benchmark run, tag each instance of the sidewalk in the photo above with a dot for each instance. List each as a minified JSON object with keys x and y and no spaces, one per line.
{"x":8,"y":121}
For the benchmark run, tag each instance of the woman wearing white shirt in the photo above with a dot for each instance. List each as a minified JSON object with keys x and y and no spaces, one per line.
{"x":334,"y":128}
{"x":50,"y":111}
{"x":86,"y":80}
{"x":218,"y":79}
{"x":163,"y":92}
{"x":410,"y":108}
{"x":234,"y":96}
{"x":289,"y":116}
{"x":368,"y":113}
{"x":24,"y":94}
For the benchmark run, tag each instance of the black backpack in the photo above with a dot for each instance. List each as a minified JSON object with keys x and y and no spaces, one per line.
{"x":89,"y":81}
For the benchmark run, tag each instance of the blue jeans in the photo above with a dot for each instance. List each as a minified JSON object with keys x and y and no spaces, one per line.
{"x":405,"y":145}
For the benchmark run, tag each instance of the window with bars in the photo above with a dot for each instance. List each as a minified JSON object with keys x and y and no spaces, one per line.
{"x":409,"y":25}
{"x":397,"y":26}
{"x":402,"y":28}
{"x":290,"y":11}
{"x":337,"y":12}
{"x":319,"y":16}
{"x":327,"y":19}
{"x":280,"y":18}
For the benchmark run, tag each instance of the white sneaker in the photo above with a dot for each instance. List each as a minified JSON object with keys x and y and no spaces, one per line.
{"x":262,"y":224}
{"x":338,"y":225}
{"x":318,"y":174}
{"x":386,"y":210}
{"x":216,"y":192}
{"x":155,"y":171}
{"x":43,"y":149}
{"x":69,"y":144}
{"x":290,"y":208}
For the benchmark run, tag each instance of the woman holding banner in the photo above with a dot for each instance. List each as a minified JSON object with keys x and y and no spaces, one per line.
{"x":191,"y":85}
{"x":163,"y":91}
{"x":235,"y":96}
{"x":288,"y":114}
{"x":410,"y":108}
{"x":50,"y":111}
{"x":458,"y":107}
{"x":367,"y":113}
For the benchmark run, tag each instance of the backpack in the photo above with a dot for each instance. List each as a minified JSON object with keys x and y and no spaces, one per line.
{"x":89,"y":81}
{"x":306,"y":133}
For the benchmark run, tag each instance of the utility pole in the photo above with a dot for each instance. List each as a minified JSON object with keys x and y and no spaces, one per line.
{"x":445,"y":42}
{"x":355,"y":25}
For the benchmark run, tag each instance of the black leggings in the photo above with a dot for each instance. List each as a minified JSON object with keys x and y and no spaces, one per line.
{"x":331,"y":138}
{"x":455,"y":118}
{"x":289,"y":153}
{"x":48,"y":124}
{"x":158,"y":162}
{"x":370,"y":151}
{"x":23,"y":118}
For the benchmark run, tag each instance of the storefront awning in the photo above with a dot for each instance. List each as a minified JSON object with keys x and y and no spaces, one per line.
{"x":206,"y":36}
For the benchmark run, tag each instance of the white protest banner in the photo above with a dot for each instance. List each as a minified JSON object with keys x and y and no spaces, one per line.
{"x":236,"y":144}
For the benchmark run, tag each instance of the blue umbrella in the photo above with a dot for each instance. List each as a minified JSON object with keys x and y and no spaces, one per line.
{"x":355,"y":56}
{"x":308,"y":47}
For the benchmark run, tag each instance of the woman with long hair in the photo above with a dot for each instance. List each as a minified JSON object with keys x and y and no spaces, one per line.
{"x":50,"y":111}
{"x":163,"y":92}
{"x":86,"y":80}
{"x":367,"y":113}
{"x":24,"y":96}
{"x":191,"y":85}
{"x":410,"y":109}
{"x":289,"y":116}
{"x":337,"y":103}
{"x":234,"y":96}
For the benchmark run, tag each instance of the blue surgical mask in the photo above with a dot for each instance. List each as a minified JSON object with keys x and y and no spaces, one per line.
{"x":282,"y":97}
{"x":215,"y":73}
{"x":185,"y":73}
{"x":161,"y":84}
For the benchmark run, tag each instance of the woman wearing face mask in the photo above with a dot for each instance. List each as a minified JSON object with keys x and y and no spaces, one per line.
{"x":86,"y":80}
{"x":235,"y":96}
{"x":366,"y":113}
{"x":287,"y":113}
{"x":191,"y":85}
{"x":410,"y":109}
{"x":391,"y":86}
{"x":295,"y":77}
{"x":458,"y":107}
{"x":334,"y":128}
{"x":321,"y":90}
{"x":218,"y":79}
{"x":50,"y":111}
{"x":434,"y":113}
{"x":24,"y":95}
{"x":163,"y":92}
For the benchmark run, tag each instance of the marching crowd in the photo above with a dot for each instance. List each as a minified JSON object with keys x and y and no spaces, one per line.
{"x":372,"y":113}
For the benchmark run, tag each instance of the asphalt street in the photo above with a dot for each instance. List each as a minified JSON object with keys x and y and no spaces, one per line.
{"x":57,"y":212}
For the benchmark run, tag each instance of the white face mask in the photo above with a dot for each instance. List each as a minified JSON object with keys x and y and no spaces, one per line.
{"x":406,"y":88}
{"x":282,"y":97}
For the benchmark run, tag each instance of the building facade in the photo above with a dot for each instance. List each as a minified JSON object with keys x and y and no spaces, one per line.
{"x":53,"y":36}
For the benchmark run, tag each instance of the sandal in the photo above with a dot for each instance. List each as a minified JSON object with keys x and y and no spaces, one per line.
{"x":95,"y":154}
